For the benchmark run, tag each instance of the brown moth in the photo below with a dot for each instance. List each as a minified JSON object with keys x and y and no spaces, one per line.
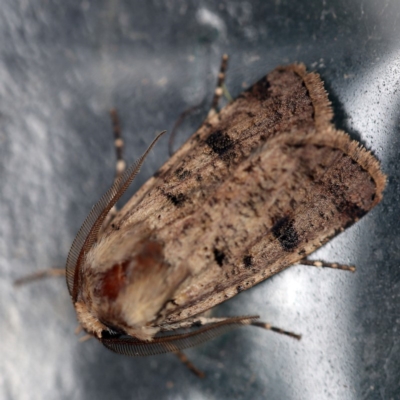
{"x":259,"y":186}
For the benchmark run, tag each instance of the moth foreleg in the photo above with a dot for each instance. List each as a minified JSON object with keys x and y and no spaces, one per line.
{"x":323,"y":264}
{"x":219,"y":90}
{"x":46,"y":273}
{"x":120,"y":164}
{"x":182,"y":357}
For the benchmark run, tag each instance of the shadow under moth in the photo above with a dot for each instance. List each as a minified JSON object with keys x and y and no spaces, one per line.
{"x":259,"y":186}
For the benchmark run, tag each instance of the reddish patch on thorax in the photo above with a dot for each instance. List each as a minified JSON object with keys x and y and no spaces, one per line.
{"x":113,"y":280}
{"x":148,"y":261}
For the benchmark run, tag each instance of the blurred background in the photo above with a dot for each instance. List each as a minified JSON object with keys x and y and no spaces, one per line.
{"x":63,"y":65}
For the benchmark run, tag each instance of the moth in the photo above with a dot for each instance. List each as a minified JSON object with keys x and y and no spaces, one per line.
{"x":258,"y":187}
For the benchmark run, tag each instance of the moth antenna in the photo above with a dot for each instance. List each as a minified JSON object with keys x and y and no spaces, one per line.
{"x":87,"y":234}
{"x":133,"y":347}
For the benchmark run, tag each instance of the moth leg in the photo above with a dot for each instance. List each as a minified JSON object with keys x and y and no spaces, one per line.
{"x":120,"y":165}
{"x":85,"y":338}
{"x":218,"y":92}
{"x":323,"y":264}
{"x":46,"y":273}
{"x":192,"y":322}
{"x":78,"y":329}
{"x":202,"y":321}
{"x":269,"y":327}
{"x":182,"y":357}
{"x":178,"y":123}
{"x":260,"y":324}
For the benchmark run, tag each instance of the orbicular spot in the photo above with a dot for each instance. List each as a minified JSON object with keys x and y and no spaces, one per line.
{"x":248,"y":261}
{"x":286,"y":234}
{"x":182,"y":173}
{"x":219,"y":256}
{"x":220,"y":142}
{"x":176,"y":199}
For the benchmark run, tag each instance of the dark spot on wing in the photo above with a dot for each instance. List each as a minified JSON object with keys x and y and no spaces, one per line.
{"x":239,"y":288}
{"x":247,"y":261}
{"x":182,"y":173}
{"x":219,"y":256}
{"x":219,"y":142}
{"x":352,"y":210}
{"x":176,"y":199}
{"x":249,"y":168}
{"x":285,"y":232}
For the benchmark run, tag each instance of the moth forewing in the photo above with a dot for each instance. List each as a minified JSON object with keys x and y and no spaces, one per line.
{"x":257,"y":188}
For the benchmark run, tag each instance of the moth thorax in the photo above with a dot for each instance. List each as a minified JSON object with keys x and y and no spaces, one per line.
{"x":127,"y":291}
{"x":113,"y":281}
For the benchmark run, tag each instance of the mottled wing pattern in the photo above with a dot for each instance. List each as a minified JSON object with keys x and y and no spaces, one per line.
{"x":258,"y":187}
{"x":315,"y":185}
{"x":279,"y":102}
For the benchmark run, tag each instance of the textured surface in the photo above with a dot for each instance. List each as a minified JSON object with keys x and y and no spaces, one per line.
{"x":63,"y":66}
{"x":261,"y":185}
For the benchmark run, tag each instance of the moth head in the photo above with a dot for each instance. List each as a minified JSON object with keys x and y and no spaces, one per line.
{"x":126,"y":281}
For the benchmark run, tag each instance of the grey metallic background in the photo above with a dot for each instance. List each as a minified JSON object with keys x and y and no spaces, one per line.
{"x":63,"y":64}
